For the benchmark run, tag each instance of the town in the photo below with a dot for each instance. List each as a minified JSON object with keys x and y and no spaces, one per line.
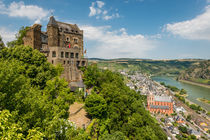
{"x":174,"y":116}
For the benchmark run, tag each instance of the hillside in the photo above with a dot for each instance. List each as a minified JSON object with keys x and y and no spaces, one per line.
{"x":199,"y":73}
{"x":154,"y":67}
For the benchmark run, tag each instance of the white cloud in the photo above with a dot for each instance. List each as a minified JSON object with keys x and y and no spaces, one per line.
{"x":19,"y":9}
{"x":100,"y":4}
{"x":7,"y":35}
{"x":116,"y":44}
{"x":97,"y":9}
{"x":194,"y":29}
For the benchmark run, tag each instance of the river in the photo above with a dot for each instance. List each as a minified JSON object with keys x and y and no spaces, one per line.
{"x":193,"y":91}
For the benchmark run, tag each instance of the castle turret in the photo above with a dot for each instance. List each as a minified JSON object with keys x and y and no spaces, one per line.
{"x":52,"y":32}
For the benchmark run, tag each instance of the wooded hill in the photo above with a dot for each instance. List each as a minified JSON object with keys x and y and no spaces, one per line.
{"x":199,"y":72}
{"x":149,"y":66}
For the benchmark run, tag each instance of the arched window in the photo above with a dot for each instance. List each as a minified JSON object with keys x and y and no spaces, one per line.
{"x":67,"y":39}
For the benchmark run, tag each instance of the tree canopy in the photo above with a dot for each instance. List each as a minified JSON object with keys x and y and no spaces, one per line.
{"x":124,"y":115}
{"x":34,"y":100}
{"x":1,"y":43}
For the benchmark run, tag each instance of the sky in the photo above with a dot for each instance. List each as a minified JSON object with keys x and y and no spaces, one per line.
{"x":150,"y":29}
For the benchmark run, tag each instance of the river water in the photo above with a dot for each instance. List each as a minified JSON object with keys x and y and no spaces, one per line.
{"x":193,"y":91}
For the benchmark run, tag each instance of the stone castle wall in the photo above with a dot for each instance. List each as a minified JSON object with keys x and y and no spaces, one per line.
{"x":55,"y":45}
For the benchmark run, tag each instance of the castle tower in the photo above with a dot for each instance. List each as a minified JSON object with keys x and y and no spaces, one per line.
{"x":52,"y":32}
{"x":33,"y":37}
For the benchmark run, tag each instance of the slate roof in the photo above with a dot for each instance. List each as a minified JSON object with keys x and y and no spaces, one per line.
{"x":52,"y":21}
{"x":159,"y":107}
{"x":162,"y":98}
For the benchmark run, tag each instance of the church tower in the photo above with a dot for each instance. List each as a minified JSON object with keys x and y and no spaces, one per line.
{"x":52,"y":32}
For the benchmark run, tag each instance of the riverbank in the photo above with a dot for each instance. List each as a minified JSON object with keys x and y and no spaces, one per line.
{"x":204,"y":100}
{"x":194,"y":83}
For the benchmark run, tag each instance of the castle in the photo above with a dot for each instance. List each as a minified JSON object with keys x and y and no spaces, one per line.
{"x":62,"y":43}
{"x":159,"y":104}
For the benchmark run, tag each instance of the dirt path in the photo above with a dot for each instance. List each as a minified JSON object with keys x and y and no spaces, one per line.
{"x":78,"y":115}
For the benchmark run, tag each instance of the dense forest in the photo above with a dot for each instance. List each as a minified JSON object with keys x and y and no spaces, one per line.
{"x":34,"y":102}
{"x":117,"y":110}
{"x":199,"y":73}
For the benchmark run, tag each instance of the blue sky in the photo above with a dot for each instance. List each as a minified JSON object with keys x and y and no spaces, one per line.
{"x":156,"y":29}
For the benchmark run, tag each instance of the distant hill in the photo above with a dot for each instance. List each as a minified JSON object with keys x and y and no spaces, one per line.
{"x":149,"y":66}
{"x":199,"y":72}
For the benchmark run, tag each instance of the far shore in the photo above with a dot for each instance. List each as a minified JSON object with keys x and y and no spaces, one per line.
{"x":194,"y":83}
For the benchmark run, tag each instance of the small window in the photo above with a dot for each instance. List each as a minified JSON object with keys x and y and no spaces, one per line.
{"x":67,"y":30}
{"x":78,"y":62}
{"x":52,"y":62}
{"x":62,"y":54}
{"x":67,"y":54}
{"x":75,"y":40}
{"x":54,"y":54}
{"x":72,"y":55}
{"x":83,"y":63}
{"x":64,"y":62}
{"x":77,"y":55}
{"x":67,"y":39}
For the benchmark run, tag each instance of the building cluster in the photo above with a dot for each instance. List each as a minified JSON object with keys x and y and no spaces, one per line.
{"x":161,"y":103}
{"x":62,"y":43}
{"x":141,"y":82}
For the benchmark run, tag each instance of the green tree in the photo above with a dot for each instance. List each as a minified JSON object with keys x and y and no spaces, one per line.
{"x":8,"y":128}
{"x":96,"y":106}
{"x":1,"y":43}
{"x":183,"y":129}
{"x":182,"y":92}
{"x":38,"y":98}
{"x":115,"y":136}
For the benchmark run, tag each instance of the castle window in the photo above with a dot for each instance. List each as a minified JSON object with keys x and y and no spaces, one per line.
{"x":52,"y":62}
{"x":75,"y":40}
{"x":67,"y":39}
{"x":67,"y":30}
{"x":78,"y":63}
{"x":83,"y":63}
{"x":67,"y":54}
{"x":64,"y":62}
{"x":62,"y":54}
{"x":54,"y":54}
{"x":72,"y":55}
{"x":77,"y":55}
